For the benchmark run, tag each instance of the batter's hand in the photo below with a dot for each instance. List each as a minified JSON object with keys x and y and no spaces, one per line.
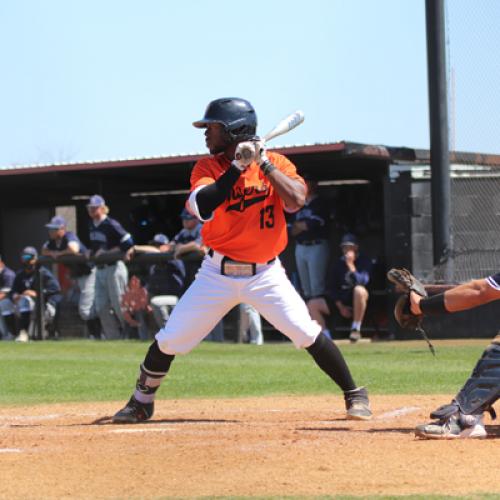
{"x":260,"y":152}
{"x":244,"y":155}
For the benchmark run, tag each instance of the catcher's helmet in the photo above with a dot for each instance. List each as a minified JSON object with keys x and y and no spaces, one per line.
{"x":236,"y":115}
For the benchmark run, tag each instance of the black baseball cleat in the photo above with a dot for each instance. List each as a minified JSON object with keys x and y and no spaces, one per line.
{"x":134,"y":412}
{"x":357,"y":404}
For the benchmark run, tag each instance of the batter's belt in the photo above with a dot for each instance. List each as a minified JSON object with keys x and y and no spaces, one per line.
{"x":235,"y":268}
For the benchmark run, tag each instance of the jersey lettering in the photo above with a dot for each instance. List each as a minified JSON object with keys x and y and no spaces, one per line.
{"x":247,"y":197}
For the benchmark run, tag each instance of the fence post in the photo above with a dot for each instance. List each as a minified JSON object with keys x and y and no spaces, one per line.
{"x":39,"y":305}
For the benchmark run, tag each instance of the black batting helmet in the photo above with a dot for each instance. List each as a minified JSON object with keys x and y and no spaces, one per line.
{"x":236,"y":115}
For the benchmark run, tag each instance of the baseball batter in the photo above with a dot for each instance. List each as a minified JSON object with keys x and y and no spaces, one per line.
{"x":241,"y":199}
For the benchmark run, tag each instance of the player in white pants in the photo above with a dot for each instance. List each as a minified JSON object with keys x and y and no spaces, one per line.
{"x":250,"y":322}
{"x":241,"y":201}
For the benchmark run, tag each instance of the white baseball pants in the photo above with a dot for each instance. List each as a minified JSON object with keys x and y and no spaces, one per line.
{"x":212,"y":295}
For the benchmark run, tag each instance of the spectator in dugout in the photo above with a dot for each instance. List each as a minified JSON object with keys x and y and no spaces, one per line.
{"x":165,"y":280}
{"x":309,"y":227}
{"x":108,"y":238}
{"x":347,"y":290}
{"x":188,"y":245}
{"x":62,"y":242}
{"x":351,"y":275}
{"x":188,"y":241}
{"x":7,"y":321}
{"x":23,"y":295}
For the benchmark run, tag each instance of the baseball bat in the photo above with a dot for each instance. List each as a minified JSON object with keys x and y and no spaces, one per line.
{"x":246,"y":150}
{"x":285,"y":125}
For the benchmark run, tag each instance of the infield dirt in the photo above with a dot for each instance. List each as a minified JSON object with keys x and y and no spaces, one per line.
{"x":264,"y":447}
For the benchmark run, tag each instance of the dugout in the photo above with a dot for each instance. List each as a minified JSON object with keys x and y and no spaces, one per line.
{"x":380,"y":193}
{"x":147,"y":194}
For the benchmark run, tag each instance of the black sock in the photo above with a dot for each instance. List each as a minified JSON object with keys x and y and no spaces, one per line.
{"x":157,"y":361}
{"x":329,"y":358}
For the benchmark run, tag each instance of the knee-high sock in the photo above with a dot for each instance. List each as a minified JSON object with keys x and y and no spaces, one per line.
{"x":329,"y":358}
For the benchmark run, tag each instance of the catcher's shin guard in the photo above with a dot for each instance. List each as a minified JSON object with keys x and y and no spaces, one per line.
{"x":480,"y":391}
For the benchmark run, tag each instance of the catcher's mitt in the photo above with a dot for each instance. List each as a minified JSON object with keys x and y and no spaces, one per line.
{"x":405,"y":282}
{"x":404,"y":316}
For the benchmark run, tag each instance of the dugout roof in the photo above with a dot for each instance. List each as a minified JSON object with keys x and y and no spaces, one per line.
{"x":60,"y":184}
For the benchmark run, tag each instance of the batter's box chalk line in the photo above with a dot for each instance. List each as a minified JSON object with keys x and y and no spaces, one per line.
{"x":139,"y":431}
{"x":398,"y":412}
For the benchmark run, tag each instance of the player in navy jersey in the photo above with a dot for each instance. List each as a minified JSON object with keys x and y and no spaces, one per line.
{"x":63,"y":242}
{"x":7,"y":327}
{"x":106,"y":235}
{"x":309,"y":227}
{"x":188,"y":241}
{"x":24,"y":292}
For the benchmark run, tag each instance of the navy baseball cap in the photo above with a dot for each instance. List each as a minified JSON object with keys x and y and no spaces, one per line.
{"x":185,"y":214}
{"x":56,"y":222}
{"x":96,"y":201}
{"x":348,"y":239}
{"x":28,"y":253}
{"x":161,"y":239}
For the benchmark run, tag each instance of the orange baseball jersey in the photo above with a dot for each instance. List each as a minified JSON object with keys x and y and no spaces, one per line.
{"x":250,"y":226}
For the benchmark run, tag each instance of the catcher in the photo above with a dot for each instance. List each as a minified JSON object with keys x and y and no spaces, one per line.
{"x":463,"y":417}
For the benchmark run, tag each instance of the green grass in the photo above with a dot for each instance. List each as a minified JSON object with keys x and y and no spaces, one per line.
{"x":49,"y":372}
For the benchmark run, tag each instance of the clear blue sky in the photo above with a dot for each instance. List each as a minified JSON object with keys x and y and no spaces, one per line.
{"x":95,"y":80}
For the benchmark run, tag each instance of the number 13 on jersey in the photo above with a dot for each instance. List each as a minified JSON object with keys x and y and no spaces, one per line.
{"x":267,"y":217}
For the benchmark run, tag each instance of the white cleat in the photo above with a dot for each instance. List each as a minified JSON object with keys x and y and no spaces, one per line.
{"x":451,"y":429}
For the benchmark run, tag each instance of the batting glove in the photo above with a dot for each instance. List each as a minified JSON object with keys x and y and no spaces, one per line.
{"x":260,"y":152}
{"x":244,"y":155}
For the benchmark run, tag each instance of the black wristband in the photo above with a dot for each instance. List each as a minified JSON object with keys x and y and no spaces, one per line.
{"x":267,"y":167}
{"x":433,"y":306}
